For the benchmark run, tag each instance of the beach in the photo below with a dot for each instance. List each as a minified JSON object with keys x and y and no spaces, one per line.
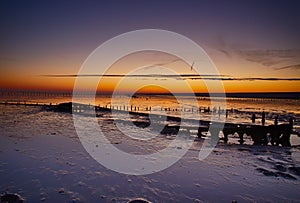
{"x":149,"y":101}
{"x":42,"y":159}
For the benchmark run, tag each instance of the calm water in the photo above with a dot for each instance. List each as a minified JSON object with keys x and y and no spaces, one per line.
{"x":239,"y":110}
{"x":42,"y":159}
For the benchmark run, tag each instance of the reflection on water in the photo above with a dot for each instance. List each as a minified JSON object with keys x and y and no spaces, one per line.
{"x":240,"y":110}
{"x":42,"y":158}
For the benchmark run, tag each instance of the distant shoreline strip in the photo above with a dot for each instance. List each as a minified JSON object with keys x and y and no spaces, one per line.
{"x":241,"y":95}
{"x":182,"y":76}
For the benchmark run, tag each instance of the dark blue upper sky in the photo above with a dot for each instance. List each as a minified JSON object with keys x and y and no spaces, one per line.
{"x":36,"y":24}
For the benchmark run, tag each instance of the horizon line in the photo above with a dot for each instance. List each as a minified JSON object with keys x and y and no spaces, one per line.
{"x":184,"y":76}
{"x":66,"y":93}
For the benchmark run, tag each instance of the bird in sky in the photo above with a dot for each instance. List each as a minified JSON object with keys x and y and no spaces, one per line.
{"x":192,"y":65}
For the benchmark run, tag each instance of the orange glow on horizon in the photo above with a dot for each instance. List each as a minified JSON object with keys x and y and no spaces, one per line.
{"x":12,"y":80}
{"x":108,"y":85}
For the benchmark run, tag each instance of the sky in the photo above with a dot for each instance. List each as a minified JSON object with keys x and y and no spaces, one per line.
{"x":255,"y":45}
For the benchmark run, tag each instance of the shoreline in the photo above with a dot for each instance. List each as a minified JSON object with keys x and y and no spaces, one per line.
{"x":261,"y":135}
{"x":234,"y":95}
{"x":56,"y":168}
{"x":42,"y":159}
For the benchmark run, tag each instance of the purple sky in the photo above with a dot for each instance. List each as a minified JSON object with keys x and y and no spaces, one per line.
{"x":55,"y":37}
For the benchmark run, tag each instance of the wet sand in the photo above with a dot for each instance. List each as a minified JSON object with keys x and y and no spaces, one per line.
{"x":43,"y":160}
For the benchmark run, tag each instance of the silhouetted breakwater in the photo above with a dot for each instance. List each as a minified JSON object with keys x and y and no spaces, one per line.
{"x":261,"y":135}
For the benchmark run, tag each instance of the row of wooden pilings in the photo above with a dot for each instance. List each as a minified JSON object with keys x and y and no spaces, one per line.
{"x":121,"y":108}
{"x":168,"y":109}
{"x":133,"y":108}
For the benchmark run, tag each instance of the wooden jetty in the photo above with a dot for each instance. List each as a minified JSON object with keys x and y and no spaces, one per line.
{"x":261,"y":135}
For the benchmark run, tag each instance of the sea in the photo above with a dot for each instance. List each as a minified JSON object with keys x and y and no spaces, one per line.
{"x":237,"y":108}
{"x":43,"y":160}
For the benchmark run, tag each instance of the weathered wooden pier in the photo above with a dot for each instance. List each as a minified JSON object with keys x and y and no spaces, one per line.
{"x":261,"y":135}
